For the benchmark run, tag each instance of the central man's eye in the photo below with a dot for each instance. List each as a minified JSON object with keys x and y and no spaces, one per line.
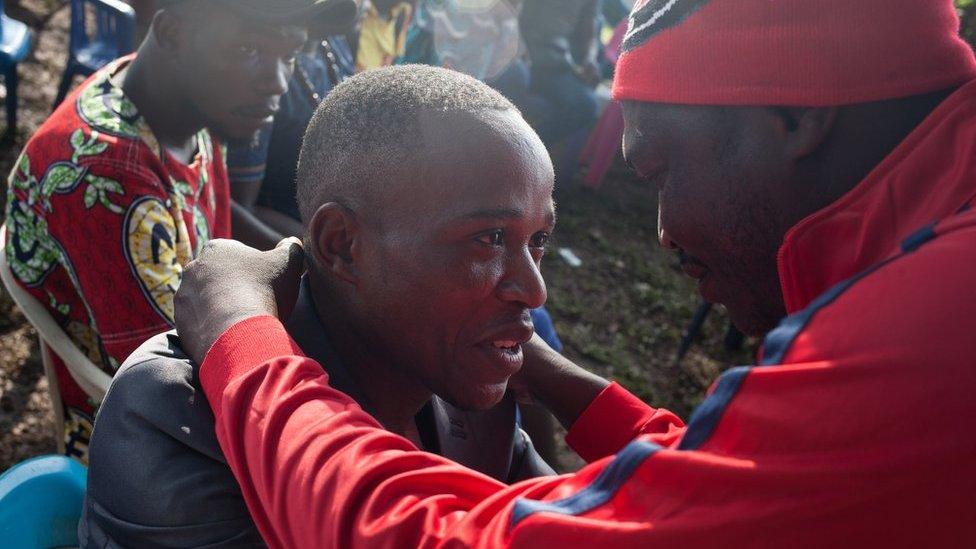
{"x":494,"y":238}
{"x":539,"y":240}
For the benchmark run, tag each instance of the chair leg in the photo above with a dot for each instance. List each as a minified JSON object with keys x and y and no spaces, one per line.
{"x":54,"y":391}
{"x":11,"y":80}
{"x":66,"y":78}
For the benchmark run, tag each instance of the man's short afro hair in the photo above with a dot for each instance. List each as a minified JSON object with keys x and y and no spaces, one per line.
{"x":367,"y":130}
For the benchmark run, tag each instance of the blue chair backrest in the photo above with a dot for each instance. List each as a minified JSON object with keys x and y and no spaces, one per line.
{"x":3,"y":11}
{"x":114,"y":24}
{"x":40,"y":502}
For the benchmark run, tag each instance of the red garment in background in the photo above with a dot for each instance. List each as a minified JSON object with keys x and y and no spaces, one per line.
{"x":100,"y":222}
{"x":854,"y":433}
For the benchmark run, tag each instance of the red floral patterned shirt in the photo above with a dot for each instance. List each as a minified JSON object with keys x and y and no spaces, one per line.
{"x":100,"y":222}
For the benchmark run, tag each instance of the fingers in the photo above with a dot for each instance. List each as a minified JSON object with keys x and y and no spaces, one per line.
{"x":295,"y":264}
{"x":290,"y":241}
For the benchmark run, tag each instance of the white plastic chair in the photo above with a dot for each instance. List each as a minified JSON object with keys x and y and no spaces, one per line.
{"x":89,"y":377}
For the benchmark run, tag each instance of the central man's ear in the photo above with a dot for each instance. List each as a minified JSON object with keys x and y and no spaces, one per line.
{"x":806,"y":128}
{"x":334,"y":234}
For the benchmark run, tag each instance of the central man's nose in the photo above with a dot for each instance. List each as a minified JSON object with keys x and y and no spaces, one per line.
{"x":523,"y":282}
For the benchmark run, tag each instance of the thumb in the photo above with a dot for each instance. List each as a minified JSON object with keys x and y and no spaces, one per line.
{"x":288,"y":279}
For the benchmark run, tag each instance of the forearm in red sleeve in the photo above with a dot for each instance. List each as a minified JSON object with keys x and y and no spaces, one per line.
{"x":315,"y":470}
{"x":615,"y":418}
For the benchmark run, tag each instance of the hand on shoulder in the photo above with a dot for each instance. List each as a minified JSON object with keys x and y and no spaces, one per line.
{"x":230,"y":282}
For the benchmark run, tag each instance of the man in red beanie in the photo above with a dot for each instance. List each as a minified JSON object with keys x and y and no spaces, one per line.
{"x":811,"y":158}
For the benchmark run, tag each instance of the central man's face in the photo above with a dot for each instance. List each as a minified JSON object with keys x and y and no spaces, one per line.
{"x":453,"y":262}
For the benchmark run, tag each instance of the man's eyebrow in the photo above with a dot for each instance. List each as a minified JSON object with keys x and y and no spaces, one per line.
{"x":494,"y":213}
{"x":502,"y":213}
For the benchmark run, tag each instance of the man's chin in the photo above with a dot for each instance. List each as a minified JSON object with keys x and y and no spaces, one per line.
{"x":479,"y":399}
{"x":236,"y":137}
{"x":752,"y":322}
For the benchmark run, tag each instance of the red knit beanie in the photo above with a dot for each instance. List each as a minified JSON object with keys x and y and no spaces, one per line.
{"x":790,"y":52}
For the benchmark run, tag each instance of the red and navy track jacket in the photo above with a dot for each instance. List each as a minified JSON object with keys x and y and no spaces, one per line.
{"x":854,"y":430}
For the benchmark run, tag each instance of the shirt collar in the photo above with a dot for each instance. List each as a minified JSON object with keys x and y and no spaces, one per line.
{"x":307,"y":330}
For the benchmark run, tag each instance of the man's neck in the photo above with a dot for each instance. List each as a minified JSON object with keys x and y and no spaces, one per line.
{"x":157,"y":95}
{"x":393,"y":396}
{"x":863,"y":136}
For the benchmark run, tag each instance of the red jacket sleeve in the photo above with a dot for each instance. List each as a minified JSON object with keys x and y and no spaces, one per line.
{"x":615,"y":418}
{"x":790,"y":463}
{"x":316,"y":471}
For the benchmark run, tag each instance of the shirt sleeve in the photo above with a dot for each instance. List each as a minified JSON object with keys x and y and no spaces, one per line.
{"x":247,"y":162}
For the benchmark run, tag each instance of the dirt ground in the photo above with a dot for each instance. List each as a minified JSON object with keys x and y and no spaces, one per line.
{"x":26,"y":422}
{"x":621,"y":312}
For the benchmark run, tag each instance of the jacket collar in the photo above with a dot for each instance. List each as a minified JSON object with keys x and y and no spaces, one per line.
{"x":929,"y":176}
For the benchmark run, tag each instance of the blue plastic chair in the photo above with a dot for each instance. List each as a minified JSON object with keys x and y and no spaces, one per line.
{"x":40,"y":502}
{"x":15,"y":42}
{"x":115,"y":23}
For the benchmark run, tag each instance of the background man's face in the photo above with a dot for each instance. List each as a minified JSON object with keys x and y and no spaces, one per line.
{"x":236,"y":70}
{"x":451,"y":262}
{"x":724,"y":193}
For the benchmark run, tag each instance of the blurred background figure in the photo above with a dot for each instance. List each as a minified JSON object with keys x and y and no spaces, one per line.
{"x":382,"y":32}
{"x":480,"y":38}
{"x":126,"y":180}
{"x":262,"y":172}
{"x":561,"y":38}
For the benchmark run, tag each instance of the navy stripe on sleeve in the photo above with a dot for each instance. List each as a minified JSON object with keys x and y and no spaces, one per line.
{"x":598,"y":493}
{"x":706,"y":417}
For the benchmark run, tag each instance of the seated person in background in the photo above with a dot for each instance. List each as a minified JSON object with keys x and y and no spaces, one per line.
{"x":561,"y":39}
{"x":125,"y":181}
{"x":382,"y":33}
{"x":427,"y":202}
{"x":480,"y":40}
{"x":262,"y":172}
